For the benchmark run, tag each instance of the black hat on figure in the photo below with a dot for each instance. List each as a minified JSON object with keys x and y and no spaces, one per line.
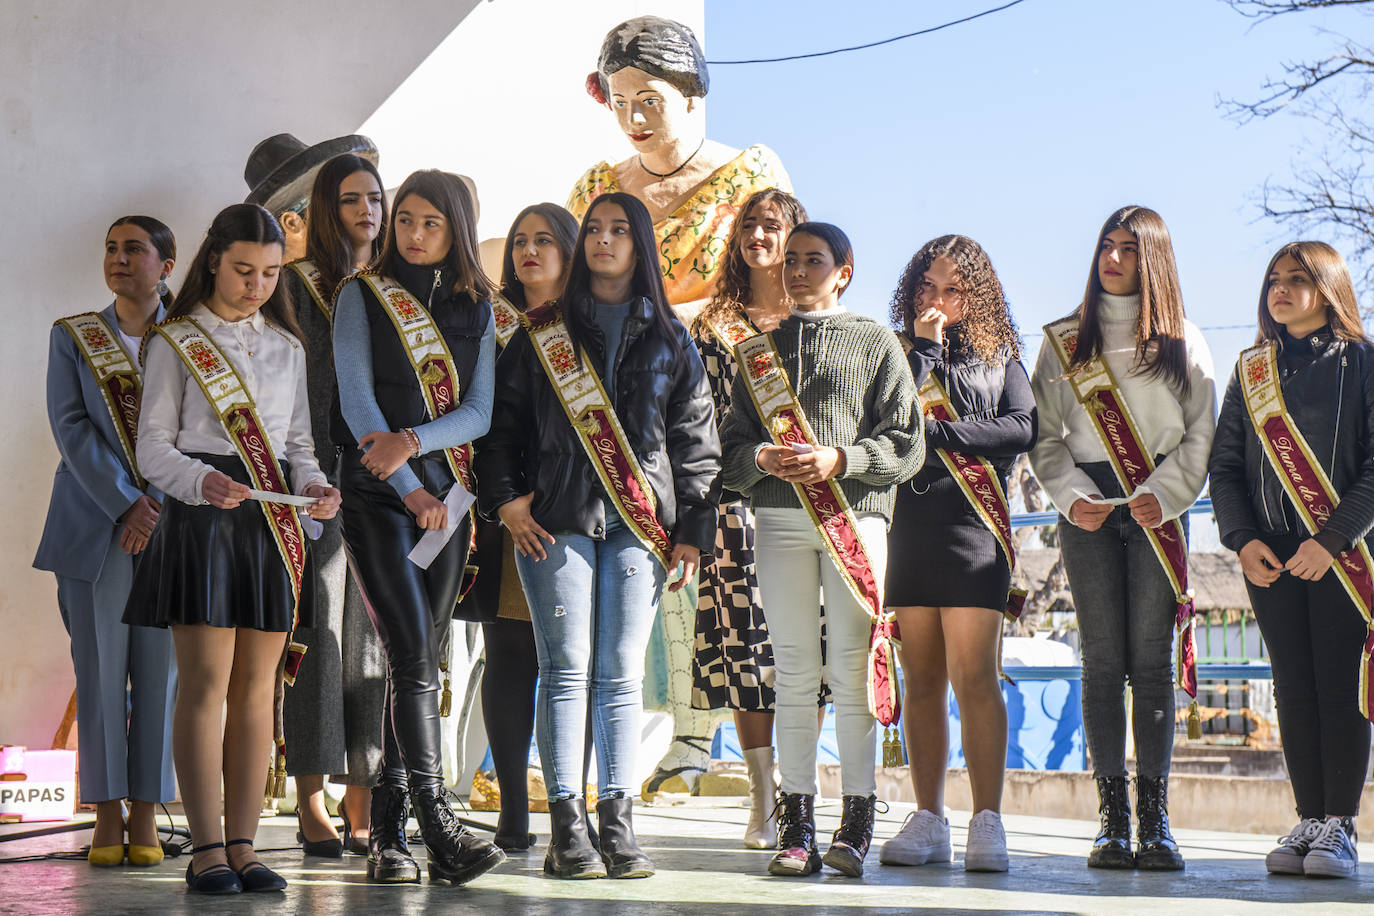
{"x":281,"y":169}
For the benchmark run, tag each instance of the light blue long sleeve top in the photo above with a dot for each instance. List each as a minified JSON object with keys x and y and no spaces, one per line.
{"x":358,"y":401}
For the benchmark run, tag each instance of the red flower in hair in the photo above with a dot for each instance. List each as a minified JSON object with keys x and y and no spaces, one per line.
{"x":594,"y":87}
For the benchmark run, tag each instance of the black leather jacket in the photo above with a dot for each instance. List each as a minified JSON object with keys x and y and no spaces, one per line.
{"x":1328,"y":387}
{"x":997,"y":418}
{"x":664,"y":405}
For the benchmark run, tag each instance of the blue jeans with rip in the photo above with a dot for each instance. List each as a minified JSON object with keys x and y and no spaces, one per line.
{"x":592,"y":603}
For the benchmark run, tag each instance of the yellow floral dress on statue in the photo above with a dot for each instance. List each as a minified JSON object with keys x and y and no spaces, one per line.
{"x":692,"y":239}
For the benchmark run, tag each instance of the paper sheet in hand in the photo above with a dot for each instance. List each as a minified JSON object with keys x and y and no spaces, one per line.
{"x":268,"y":497}
{"x":458,"y":501}
{"x":1114,"y":501}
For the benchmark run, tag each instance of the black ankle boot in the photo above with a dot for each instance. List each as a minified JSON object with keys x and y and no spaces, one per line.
{"x":850,"y":843}
{"x":571,"y":854}
{"x":388,"y":856}
{"x":1112,"y":847}
{"x":455,"y":854}
{"x":1155,"y":846}
{"x":620,"y":852}
{"x":797,"y":853}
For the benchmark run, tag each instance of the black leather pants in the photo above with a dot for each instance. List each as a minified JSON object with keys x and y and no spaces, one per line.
{"x":411,"y":609}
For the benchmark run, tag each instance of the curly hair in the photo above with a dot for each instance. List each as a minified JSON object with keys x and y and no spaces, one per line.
{"x":732,"y":280}
{"x":987,"y":320}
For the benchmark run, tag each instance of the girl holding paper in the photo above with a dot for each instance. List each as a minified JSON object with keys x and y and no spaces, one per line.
{"x":1300,"y":409}
{"x":414,"y":347}
{"x":1128,"y":370}
{"x":600,"y":462}
{"x":224,"y":414}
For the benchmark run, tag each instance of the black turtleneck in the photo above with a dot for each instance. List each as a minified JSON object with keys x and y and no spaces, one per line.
{"x":1296,"y":353}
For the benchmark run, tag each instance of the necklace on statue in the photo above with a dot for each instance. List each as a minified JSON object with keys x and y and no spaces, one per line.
{"x":684,"y":165}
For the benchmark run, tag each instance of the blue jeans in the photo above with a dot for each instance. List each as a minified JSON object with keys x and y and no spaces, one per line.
{"x":592,"y":603}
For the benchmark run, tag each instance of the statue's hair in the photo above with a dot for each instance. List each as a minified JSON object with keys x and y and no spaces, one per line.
{"x":660,"y":47}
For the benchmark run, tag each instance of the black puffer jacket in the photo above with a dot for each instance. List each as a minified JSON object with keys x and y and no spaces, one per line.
{"x":997,"y":419}
{"x":664,"y":405}
{"x":1328,"y":387}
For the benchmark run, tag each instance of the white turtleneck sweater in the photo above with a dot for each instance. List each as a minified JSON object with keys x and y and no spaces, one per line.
{"x":1178,"y":428}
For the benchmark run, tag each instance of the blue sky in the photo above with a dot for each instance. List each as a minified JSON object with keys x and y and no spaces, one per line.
{"x":1024,"y":130}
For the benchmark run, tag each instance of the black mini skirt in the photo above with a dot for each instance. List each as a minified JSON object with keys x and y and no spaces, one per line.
{"x":214,"y":566}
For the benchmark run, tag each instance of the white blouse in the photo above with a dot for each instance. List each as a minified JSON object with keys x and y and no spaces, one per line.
{"x":176,"y":417}
{"x":1178,"y":428}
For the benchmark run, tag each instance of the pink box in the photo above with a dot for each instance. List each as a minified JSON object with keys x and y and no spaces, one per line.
{"x":36,"y":785}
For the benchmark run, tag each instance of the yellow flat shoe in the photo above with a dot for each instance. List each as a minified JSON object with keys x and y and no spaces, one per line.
{"x":144,"y":855}
{"x":106,"y":856}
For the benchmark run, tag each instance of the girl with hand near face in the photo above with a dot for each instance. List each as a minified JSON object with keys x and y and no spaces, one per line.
{"x":852,"y":382}
{"x":733,"y":658}
{"x":592,"y":550}
{"x":332,"y":714}
{"x":408,"y":408}
{"x":1314,"y":355}
{"x":950,"y":595}
{"x":99,"y":521}
{"x":537,"y":257}
{"x":223,"y":570}
{"x":1131,"y":320}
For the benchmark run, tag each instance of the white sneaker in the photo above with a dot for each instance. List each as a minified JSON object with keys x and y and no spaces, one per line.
{"x":1286,"y":858}
{"x":924,"y":837}
{"x":987,"y":843}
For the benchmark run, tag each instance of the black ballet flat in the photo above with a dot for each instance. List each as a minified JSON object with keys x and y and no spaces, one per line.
{"x":351,"y":844}
{"x":518,"y":842}
{"x":217,"y":879}
{"x":331,"y":848}
{"x":258,"y":877}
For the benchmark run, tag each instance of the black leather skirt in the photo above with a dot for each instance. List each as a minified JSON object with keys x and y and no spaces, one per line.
{"x":214,"y":566}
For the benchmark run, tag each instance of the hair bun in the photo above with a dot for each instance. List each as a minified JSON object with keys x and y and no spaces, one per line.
{"x":594,"y":89}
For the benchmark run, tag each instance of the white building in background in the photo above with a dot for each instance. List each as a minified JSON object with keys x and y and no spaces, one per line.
{"x":152,"y":107}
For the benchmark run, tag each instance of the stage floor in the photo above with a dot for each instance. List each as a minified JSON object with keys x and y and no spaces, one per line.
{"x":703,"y":869}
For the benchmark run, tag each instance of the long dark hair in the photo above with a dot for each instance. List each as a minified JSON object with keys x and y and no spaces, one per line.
{"x":1331,"y":277}
{"x":987,"y":320}
{"x":564,"y":227}
{"x":326,"y":239}
{"x":162,"y":239}
{"x":732,"y":291}
{"x":647,"y":281}
{"x":235,"y":223}
{"x":450,"y":196}
{"x":1160,"y":349}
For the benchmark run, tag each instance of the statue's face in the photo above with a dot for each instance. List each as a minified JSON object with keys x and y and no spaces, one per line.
{"x":650,"y":110}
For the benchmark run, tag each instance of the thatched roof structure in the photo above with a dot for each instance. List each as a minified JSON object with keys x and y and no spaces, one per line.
{"x":1215,"y":578}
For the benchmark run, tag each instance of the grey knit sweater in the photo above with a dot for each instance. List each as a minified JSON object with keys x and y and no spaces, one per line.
{"x":856,"y":389}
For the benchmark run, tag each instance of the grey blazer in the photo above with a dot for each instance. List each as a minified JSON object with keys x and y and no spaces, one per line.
{"x":94,"y":484}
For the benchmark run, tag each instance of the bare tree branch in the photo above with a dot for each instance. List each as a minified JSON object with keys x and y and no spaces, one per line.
{"x":1268,"y":9}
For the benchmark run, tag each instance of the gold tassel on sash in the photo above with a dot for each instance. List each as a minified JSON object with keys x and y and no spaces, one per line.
{"x":892,"y":748}
{"x":446,"y":697}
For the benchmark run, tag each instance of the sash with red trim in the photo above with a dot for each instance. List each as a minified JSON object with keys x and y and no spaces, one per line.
{"x":1309,"y":489}
{"x":429,"y":357}
{"x":1097,"y":391}
{"x":115,"y":374}
{"x":505,"y":318}
{"x":314,"y":282}
{"x":594,"y":422}
{"x":781,"y":414}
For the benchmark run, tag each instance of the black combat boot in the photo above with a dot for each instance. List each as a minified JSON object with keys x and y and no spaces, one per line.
{"x":850,"y":843}
{"x":1112,"y":846}
{"x":388,"y":856}
{"x":797,"y":853}
{"x":456,"y":855}
{"x":1155,"y":846}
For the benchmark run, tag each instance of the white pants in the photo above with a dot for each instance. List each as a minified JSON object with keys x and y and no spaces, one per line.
{"x":793,"y":568}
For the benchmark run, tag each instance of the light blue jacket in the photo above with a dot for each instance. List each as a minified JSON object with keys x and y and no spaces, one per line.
{"x":94,"y":484}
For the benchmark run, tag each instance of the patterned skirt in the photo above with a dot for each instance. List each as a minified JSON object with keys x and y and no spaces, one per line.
{"x":733,"y":655}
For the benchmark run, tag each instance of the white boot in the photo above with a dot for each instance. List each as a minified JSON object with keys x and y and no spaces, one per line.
{"x":762,"y":831}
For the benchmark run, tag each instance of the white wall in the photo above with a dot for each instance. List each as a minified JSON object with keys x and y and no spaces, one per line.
{"x":152,"y":107}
